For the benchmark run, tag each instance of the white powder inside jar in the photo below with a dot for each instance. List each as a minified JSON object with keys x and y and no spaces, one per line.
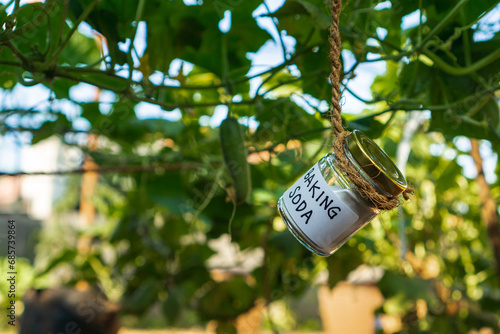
{"x":364,"y":212}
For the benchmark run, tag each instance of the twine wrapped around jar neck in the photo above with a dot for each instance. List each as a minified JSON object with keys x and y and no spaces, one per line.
{"x":362,"y":186}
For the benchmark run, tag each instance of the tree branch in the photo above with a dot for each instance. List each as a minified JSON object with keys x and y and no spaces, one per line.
{"x":171,"y":106}
{"x":10,"y":63}
{"x":271,"y":147}
{"x":488,"y":205}
{"x":18,"y":53}
{"x":396,"y":106}
{"x":114,"y":169}
{"x":66,"y":72}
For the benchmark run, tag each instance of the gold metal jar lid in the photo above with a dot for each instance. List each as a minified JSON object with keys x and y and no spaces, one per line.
{"x":376,"y":163}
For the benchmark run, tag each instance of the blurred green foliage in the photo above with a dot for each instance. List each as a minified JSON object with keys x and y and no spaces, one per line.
{"x":151,"y":247}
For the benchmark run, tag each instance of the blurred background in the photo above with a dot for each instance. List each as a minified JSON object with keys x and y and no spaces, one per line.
{"x":111,"y":164}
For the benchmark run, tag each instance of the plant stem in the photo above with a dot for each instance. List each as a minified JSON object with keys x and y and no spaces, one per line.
{"x":18,"y":53}
{"x":283,"y":49}
{"x":441,"y":24}
{"x":65,"y":43}
{"x":10,"y":63}
{"x":63,"y":23}
{"x":420,"y":22}
{"x":466,"y":42}
{"x":138,"y":16}
{"x":458,"y":71}
{"x":4,"y":7}
{"x":421,"y":46}
{"x":396,"y":106}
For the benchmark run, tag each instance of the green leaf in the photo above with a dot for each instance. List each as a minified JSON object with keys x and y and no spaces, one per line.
{"x":68,"y":255}
{"x":143,"y":297}
{"x":172,"y":307}
{"x":348,"y":258}
{"x":175,"y":205}
{"x":295,"y":8}
{"x":472,"y":10}
{"x":387,"y":84}
{"x":410,"y":288}
{"x":448,"y":177}
{"x":91,"y":112}
{"x":371,"y":127}
{"x":227,"y":300}
{"x":59,"y":126}
{"x":40,"y":41}
{"x":281,"y":84}
{"x":60,"y":87}
{"x":451,"y":124}
{"x":113,"y":20}
{"x":302,"y":18}
{"x":491,"y":114}
{"x":33,"y":42}
{"x":124,"y":228}
{"x":80,"y":50}
{"x":413,"y":81}
{"x":111,"y":82}
{"x":317,"y":63}
{"x":8,"y":77}
{"x":282,"y":118}
{"x":193,"y":34}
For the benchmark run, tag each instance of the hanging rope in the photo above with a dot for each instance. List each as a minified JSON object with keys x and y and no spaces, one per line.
{"x":363,"y":187}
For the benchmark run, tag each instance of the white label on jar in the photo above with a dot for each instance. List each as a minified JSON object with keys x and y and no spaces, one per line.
{"x":316,"y":210}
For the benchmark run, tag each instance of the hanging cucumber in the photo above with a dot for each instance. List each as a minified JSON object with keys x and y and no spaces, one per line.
{"x":235,"y":157}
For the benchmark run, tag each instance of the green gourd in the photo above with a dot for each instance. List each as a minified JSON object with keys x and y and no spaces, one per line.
{"x":235,"y":157}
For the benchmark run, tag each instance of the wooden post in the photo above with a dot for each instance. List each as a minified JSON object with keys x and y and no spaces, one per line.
{"x":349,"y":308}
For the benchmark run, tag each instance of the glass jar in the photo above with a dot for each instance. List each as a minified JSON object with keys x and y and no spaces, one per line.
{"x":323,"y":209}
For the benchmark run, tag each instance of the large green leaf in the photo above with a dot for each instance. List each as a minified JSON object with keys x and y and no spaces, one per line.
{"x":300,"y":18}
{"x":143,"y":297}
{"x":80,"y":50}
{"x":281,"y":119}
{"x":8,"y":76}
{"x":112,"y":19}
{"x":60,"y":125}
{"x":193,"y":34}
{"x":227,"y":300}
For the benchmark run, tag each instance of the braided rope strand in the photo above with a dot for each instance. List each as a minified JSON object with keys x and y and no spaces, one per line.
{"x":362,"y":186}
{"x":334,"y":55}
